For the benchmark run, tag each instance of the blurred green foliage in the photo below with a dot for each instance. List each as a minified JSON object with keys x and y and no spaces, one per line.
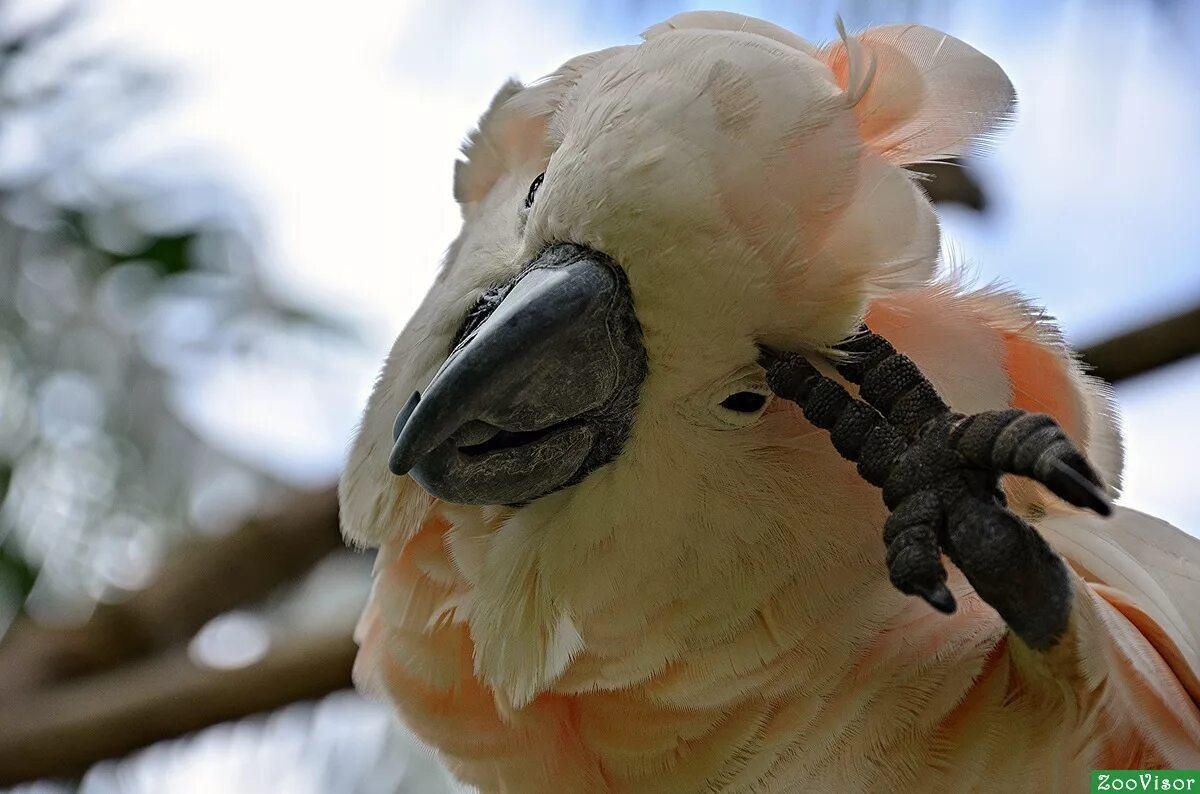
{"x":117,"y":285}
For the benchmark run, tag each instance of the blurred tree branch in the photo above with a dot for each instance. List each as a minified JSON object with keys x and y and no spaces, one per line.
{"x":64,"y":730}
{"x":1155,"y":345}
{"x":203,"y":579}
{"x":951,"y":183}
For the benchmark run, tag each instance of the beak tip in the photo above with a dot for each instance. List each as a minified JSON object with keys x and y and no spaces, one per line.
{"x":402,"y":459}
{"x":405,"y":413}
{"x":399,"y":463}
{"x":398,"y":466}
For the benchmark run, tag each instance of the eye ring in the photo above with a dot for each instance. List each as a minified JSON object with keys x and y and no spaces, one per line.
{"x":533,"y":189}
{"x":744,"y":402}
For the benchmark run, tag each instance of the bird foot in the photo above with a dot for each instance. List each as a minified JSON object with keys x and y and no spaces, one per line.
{"x":940,"y":472}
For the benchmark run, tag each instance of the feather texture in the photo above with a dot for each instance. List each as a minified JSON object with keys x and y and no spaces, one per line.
{"x":727,"y":21}
{"x":711,"y":611}
{"x":919,"y":94}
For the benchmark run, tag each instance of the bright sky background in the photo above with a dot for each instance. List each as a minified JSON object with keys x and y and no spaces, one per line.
{"x":341,"y":121}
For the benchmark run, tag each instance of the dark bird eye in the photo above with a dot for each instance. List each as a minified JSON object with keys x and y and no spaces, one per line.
{"x":746,"y":402}
{"x":533,"y":189}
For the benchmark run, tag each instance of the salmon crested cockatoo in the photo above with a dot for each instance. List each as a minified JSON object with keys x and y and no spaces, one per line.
{"x":687,"y":474}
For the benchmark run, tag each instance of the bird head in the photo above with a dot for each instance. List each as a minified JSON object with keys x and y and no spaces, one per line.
{"x":636,"y":226}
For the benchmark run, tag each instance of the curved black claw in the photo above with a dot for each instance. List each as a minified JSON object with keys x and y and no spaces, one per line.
{"x":940,"y":598}
{"x":914,"y":557}
{"x":940,"y":476}
{"x":1068,"y":483}
{"x":1034,"y":446}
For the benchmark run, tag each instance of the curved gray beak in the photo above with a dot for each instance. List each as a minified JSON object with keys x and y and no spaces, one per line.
{"x":536,"y":396}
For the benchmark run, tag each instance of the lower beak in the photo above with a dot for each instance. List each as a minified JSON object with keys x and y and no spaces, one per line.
{"x":535,"y":397}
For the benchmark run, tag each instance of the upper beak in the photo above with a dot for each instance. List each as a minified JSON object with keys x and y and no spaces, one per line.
{"x":538,"y":395}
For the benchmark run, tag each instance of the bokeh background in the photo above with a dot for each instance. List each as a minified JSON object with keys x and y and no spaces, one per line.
{"x":216,"y":215}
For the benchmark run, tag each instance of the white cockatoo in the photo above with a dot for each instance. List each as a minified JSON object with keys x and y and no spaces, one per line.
{"x":617,"y":550}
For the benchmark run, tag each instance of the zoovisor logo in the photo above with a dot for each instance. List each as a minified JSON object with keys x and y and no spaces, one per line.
{"x":1146,"y":780}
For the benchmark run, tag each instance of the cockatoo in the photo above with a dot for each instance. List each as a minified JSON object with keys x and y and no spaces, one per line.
{"x":624,"y":466}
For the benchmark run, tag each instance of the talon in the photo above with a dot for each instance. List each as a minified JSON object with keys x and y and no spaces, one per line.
{"x":1071,"y":486}
{"x":939,"y":473}
{"x":939,"y":597}
{"x":915,"y":562}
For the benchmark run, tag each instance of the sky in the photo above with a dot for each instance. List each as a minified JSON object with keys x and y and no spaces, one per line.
{"x":340,"y":123}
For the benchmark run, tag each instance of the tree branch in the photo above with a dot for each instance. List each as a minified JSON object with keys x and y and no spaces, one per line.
{"x":1149,"y":347}
{"x":951,"y":183}
{"x":199,"y":582}
{"x":65,"y":729}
